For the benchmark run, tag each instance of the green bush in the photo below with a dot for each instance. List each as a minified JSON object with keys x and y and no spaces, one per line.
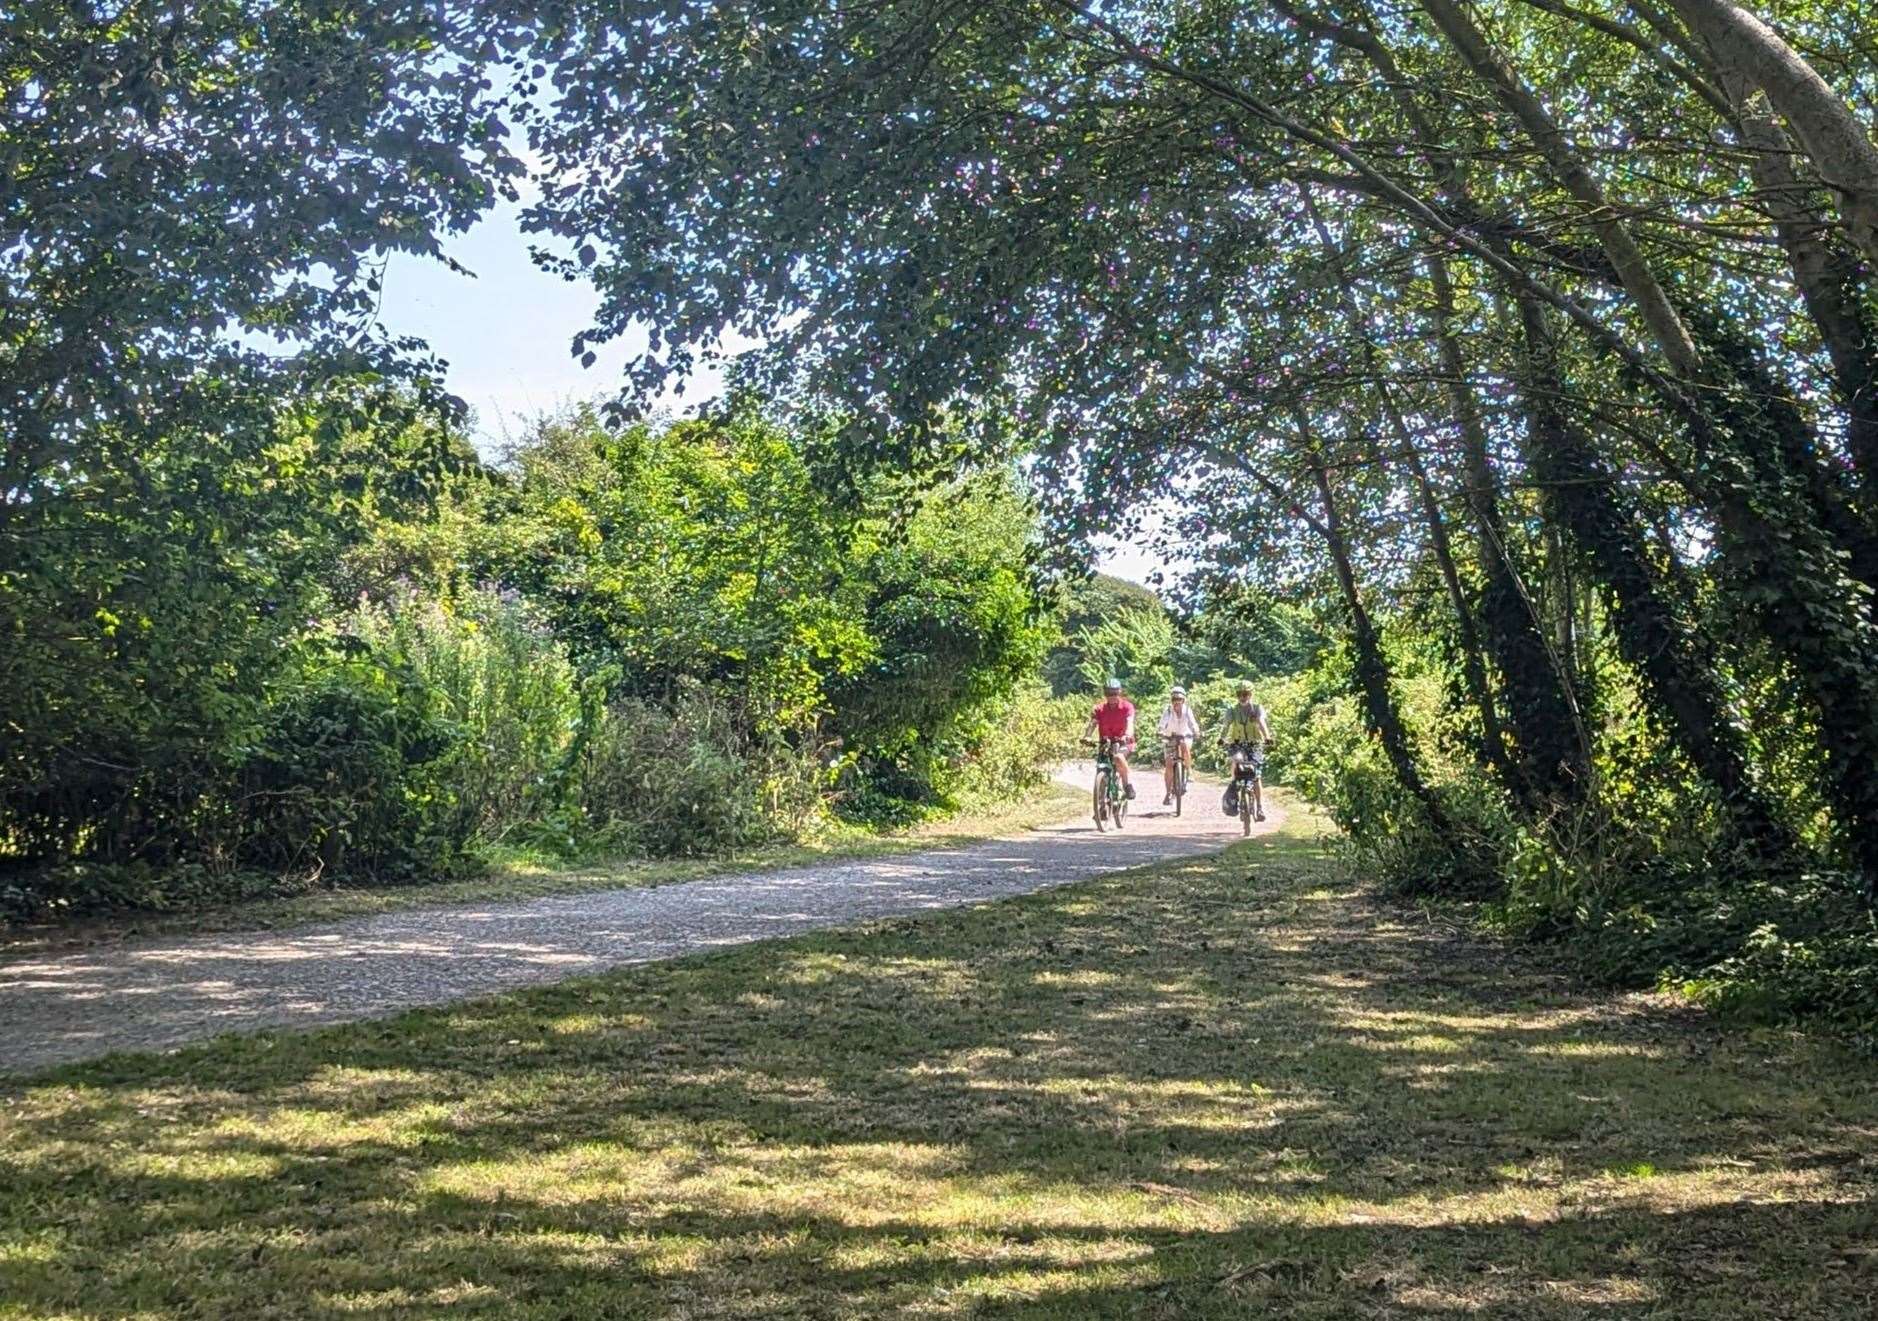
{"x":81,"y":888}
{"x":355,"y":775}
{"x":1015,"y":746}
{"x":690,"y":780}
{"x":685,"y":647}
{"x":508,"y":687}
{"x":1731,"y":933}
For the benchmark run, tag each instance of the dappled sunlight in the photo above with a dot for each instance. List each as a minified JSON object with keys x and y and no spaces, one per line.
{"x":1374,"y":1020}
{"x":1437,"y":1077}
{"x":40,"y":1248}
{"x":1598,"y":1050}
{"x":203,"y":1166}
{"x":1526,"y":1202}
{"x":1423,"y":1042}
{"x":392,"y":1128}
{"x":1041,"y":1287}
{"x":1081,"y":979}
{"x":1043,"y":1251}
{"x":741,"y":1177}
{"x":935,"y":977}
{"x":346,"y":1084}
{"x":1493,"y":1294}
{"x":378,"y":1302}
{"x":1098,"y":1102}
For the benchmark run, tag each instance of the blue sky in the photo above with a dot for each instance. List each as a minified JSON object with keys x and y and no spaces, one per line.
{"x":505,"y":333}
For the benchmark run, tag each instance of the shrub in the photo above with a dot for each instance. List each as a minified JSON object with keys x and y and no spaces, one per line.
{"x":1014,"y":746}
{"x":354,"y":775}
{"x":689,"y":780}
{"x":1732,"y":933}
{"x":498,"y":675}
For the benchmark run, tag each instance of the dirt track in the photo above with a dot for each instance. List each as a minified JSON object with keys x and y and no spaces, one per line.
{"x":162,"y":993}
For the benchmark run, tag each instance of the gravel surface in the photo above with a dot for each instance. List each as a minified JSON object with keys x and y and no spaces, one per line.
{"x":162,"y":993}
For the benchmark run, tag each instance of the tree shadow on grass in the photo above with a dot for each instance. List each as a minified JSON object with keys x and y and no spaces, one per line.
{"x":1229,"y":1087}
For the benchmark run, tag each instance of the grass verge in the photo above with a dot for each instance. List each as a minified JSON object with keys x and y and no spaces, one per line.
{"x":524,"y":876}
{"x":1226,"y":1087}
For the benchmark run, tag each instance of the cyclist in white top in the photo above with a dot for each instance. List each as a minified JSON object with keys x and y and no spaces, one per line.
{"x":1178,"y":731}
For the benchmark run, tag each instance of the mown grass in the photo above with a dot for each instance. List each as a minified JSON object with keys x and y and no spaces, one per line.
{"x":1229,"y":1087}
{"x":519,"y":874}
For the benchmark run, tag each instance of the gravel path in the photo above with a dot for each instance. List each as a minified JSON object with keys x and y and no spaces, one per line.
{"x":161,"y":993}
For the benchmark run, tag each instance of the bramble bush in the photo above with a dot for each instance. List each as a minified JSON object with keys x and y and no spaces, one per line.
{"x":506,"y":686}
{"x":690,"y":779}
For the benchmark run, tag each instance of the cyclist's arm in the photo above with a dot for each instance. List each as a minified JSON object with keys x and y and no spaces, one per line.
{"x":1089,"y":727}
{"x":1265,"y":730}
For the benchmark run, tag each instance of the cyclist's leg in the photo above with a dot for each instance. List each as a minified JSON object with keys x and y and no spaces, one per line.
{"x":1121,"y":769}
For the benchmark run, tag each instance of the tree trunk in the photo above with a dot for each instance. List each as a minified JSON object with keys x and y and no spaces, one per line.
{"x":1652,"y":632}
{"x":1553,"y":741}
{"x":1779,"y":444}
{"x":1825,"y":273}
{"x":1466,"y":634}
{"x":1473,"y":663}
{"x":1626,"y":258}
{"x":1792,"y":572}
{"x":1835,"y":141}
{"x":1372,"y":668}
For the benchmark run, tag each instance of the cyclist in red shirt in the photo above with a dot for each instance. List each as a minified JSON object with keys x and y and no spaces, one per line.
{"x":1115,"y":718}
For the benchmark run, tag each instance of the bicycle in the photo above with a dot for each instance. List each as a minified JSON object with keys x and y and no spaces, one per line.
{"x":1248,"y":782}
{"x":1183,"y":773}
{"x":1111,"y":799}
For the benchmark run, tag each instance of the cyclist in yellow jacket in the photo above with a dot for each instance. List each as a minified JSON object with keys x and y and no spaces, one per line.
{"x":1247,"y":730}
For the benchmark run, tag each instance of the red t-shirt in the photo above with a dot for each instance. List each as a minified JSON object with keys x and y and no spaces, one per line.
{"x":1112,"y":721}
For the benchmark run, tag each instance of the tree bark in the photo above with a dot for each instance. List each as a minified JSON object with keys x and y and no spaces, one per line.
{"x":1792,"y":567}
{"x":1542,"y":704}
{"x":1467,"y":635}
{"x":1473,"y":663}
{"x":1784,"y":453}
{"x":1627,"y":259}
{"x":1838,"y":145}
{"x":1652,"y":632}
{"x":1372,"y":668}
{"x":1824,"y":272}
